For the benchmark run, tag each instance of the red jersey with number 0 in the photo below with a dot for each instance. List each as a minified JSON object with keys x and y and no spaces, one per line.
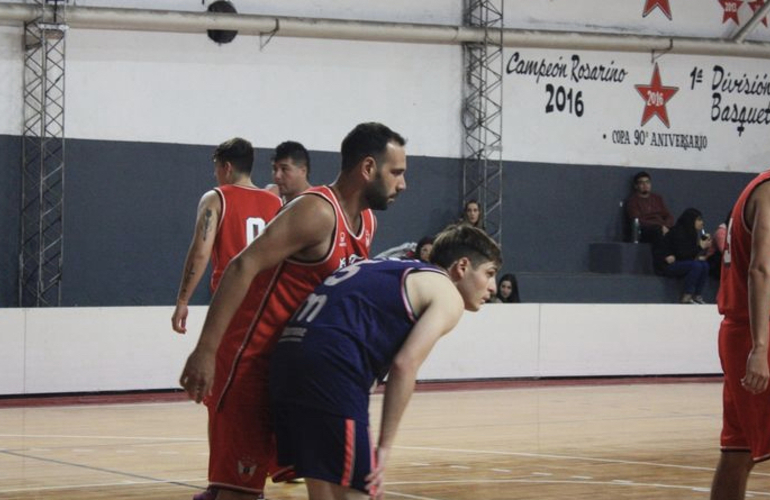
{"x":245,"y":212}
{"x":733,"y":298}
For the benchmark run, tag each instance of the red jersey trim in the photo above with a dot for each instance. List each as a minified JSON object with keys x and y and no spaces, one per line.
{"x":332,"y":241}
{"x":326,"y":193}
{"x":743,"y":208}
{"x":224,"y":207}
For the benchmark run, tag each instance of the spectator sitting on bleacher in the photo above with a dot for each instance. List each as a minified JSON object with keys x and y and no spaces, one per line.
{"x":424,"y":246}
{"x":654,"y":218}
{"x":682,"y":254}
{"x":714,"y":253}
{"x":508,"y":290}
{"x":472,"y":214}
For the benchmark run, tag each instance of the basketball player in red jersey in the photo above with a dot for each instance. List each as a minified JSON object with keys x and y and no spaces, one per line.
{"x":291,"y":168}
{"x":744,"y":300}
{"x":229,"y":217}
{"x":324,"y":229}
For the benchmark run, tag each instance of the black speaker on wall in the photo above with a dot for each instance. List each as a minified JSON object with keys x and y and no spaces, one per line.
{"x":222,"y":36}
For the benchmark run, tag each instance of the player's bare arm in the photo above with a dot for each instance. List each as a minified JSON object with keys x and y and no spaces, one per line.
{"x":302,"y":229}
{"x":198,"y":255}
{"x":439,"y":306}
{"x":758,"y":216}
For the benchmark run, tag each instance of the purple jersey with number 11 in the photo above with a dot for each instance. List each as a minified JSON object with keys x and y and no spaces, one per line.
{"x":344,"y":337}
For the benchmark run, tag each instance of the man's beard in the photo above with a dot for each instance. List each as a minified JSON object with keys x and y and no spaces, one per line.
{"x":376,"y":194}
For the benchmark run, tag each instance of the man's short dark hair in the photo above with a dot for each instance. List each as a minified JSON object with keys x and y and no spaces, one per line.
{"x":239,"y":152}
{"x":463,"y":240}
{"x":293,"y":150}
{"x":367,"y":139}
{"x":641,"y":175}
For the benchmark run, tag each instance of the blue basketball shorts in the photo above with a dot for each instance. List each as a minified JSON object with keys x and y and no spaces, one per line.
{"x":318,"y":445}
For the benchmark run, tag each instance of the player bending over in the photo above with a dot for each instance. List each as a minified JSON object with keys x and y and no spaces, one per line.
{"x":363,"y":322}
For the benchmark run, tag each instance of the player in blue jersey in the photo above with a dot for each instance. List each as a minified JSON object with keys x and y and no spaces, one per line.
{"x":363,"y":322}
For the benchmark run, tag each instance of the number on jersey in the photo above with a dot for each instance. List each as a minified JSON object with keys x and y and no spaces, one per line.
{"x":254,"y":226}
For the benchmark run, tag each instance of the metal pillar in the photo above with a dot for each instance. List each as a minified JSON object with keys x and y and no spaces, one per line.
{"x":482,"y":112}
{"x":42,"y":190}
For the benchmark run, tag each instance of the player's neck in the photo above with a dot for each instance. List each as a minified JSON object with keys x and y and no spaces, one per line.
{"x":350,"y":200}
{"x":244,"y":182}
{"x":298,"y":192}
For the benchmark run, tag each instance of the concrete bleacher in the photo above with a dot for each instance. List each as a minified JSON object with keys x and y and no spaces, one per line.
{"x":596,"y":288}
{"x":620,"y":273}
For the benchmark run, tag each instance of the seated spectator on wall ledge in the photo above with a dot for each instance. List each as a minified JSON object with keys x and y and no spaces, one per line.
{"x":683,"y":255}
{"x":654,"y":218}
{"x":507,"y":291}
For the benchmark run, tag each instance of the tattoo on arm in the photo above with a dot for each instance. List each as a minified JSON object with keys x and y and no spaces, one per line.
{"x":188,"y":275}
{"x":207,"y":223}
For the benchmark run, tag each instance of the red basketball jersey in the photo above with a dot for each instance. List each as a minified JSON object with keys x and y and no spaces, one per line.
{"x":294,"y":280}
{"x":245,"y":212}
{"x":241,"y":426}
{"x":733,"y":297}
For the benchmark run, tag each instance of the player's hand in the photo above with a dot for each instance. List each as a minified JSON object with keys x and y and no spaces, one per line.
{"x":376,"y":479}
{"x":757,"y":372}
{"x":179,"y":318}
{"x":198,"y":375}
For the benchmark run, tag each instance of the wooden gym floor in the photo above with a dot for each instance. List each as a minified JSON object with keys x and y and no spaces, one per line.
{"x":635,"y":439}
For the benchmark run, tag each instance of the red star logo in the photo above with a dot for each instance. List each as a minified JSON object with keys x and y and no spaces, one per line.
{"x":731,"y":10}
{"x":655,"y":97}
{"x":649,"y":6}
{"x":755,"y":6}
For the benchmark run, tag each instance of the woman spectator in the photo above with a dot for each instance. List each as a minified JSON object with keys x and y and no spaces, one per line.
{"x":472,"y":214}
{"x":424,"y":246}
{"x":714,"y":253}
{"x":507,"y":291}
{"x":682,"y":254}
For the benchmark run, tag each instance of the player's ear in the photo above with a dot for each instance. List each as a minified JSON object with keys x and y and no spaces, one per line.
{"x":368,"y":167}
{"x":459,"y":268}
{"x":229,"y":170}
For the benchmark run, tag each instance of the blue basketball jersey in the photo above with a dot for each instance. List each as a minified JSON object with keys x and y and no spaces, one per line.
{"x":344,"y":337}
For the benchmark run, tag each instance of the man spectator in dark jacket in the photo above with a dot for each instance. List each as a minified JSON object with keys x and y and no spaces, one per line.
{"x":654,"y":218}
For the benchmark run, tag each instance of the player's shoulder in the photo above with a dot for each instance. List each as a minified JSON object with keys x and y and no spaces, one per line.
{"x":269,"y":196}
{"x":759,"y":194}
{"x":430,"y":285}
{"x":314,"y":198}
{"x":211,"y":197}
{"x":757,"y":204}
{"x":240,"y":192}
{"x":310,"y":212}
{"x":430,"y":276}
{"x":762,"y":187}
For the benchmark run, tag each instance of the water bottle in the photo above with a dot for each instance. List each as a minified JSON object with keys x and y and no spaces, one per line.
{"x":635,"y":230}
